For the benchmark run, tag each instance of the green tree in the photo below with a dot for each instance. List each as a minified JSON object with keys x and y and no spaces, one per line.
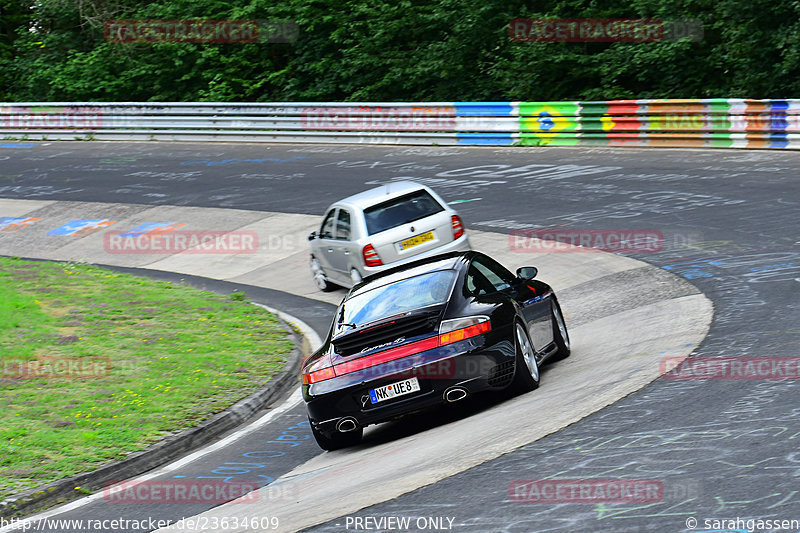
{"x":406,"y":50}
{"x":15,"y":17}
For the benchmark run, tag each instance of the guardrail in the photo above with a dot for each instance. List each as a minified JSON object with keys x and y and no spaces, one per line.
{"x":707,"y":123}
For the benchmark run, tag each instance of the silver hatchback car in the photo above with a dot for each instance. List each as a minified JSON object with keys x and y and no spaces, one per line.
{"x":382,"y":228}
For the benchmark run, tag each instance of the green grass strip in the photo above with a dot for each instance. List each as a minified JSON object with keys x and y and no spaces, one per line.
{"x":95,"y":365}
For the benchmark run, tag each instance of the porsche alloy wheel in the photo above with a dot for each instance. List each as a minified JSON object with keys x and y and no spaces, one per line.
{"x":526,"y":376}
{"x":560,"y":334}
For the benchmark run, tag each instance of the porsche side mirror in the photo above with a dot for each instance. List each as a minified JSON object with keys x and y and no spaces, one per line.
{"x":527,"y":272}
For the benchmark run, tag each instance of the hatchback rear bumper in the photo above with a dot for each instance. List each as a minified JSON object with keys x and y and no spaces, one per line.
{"x":459,"y":245}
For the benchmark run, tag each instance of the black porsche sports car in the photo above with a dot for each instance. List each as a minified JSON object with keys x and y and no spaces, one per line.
{"x":430,"y":332}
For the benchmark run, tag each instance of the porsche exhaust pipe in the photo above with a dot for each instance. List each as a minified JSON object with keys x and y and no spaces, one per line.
{"x":346,"y":424}
{"x":455,"y":394}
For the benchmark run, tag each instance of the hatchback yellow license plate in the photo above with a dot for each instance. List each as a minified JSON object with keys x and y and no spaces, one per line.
{"x":416,"y":240}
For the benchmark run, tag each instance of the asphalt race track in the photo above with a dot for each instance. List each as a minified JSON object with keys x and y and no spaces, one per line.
{"x":719,"y":449}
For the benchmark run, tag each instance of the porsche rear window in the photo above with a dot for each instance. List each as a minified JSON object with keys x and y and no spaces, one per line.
{"x":400,"y":210}
{"x":397,"y":298}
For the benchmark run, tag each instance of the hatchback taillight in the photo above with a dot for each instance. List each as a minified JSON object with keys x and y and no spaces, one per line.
{"x":371,"y":257}
{"x":458,"y":227}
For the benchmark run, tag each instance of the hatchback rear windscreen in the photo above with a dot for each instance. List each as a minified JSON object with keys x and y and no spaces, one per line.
{"x":400,"y":210}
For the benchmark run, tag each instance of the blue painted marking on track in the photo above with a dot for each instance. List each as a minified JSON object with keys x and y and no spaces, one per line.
{"x":694,"y":269}
{"x":247,"y":467}
{"x":74,"y":226}
{"x":148,"y":227}
{"x":6,"y":222}
{"x":17,"y":145}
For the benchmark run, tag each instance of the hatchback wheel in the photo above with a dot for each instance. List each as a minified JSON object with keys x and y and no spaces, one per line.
{"x":319,"y":276}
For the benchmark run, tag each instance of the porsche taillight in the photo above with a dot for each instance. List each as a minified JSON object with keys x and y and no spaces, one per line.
{"x":450,"y":331}
{"x":458,"y":329}
{"x":319,"y":370}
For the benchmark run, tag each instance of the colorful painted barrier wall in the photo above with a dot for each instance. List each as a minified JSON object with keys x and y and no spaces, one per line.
{"x":707,"y":123}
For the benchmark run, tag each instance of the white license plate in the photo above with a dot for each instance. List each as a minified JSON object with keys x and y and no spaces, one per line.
{"x":387,"y":392}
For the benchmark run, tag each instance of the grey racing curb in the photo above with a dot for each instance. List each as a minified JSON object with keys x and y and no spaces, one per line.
{"x":63,"y":491}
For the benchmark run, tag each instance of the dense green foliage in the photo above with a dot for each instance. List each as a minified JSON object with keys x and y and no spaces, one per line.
{"x":396,"y":50}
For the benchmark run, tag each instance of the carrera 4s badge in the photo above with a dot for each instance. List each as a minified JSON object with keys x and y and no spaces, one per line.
{"x":399,"y":340}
